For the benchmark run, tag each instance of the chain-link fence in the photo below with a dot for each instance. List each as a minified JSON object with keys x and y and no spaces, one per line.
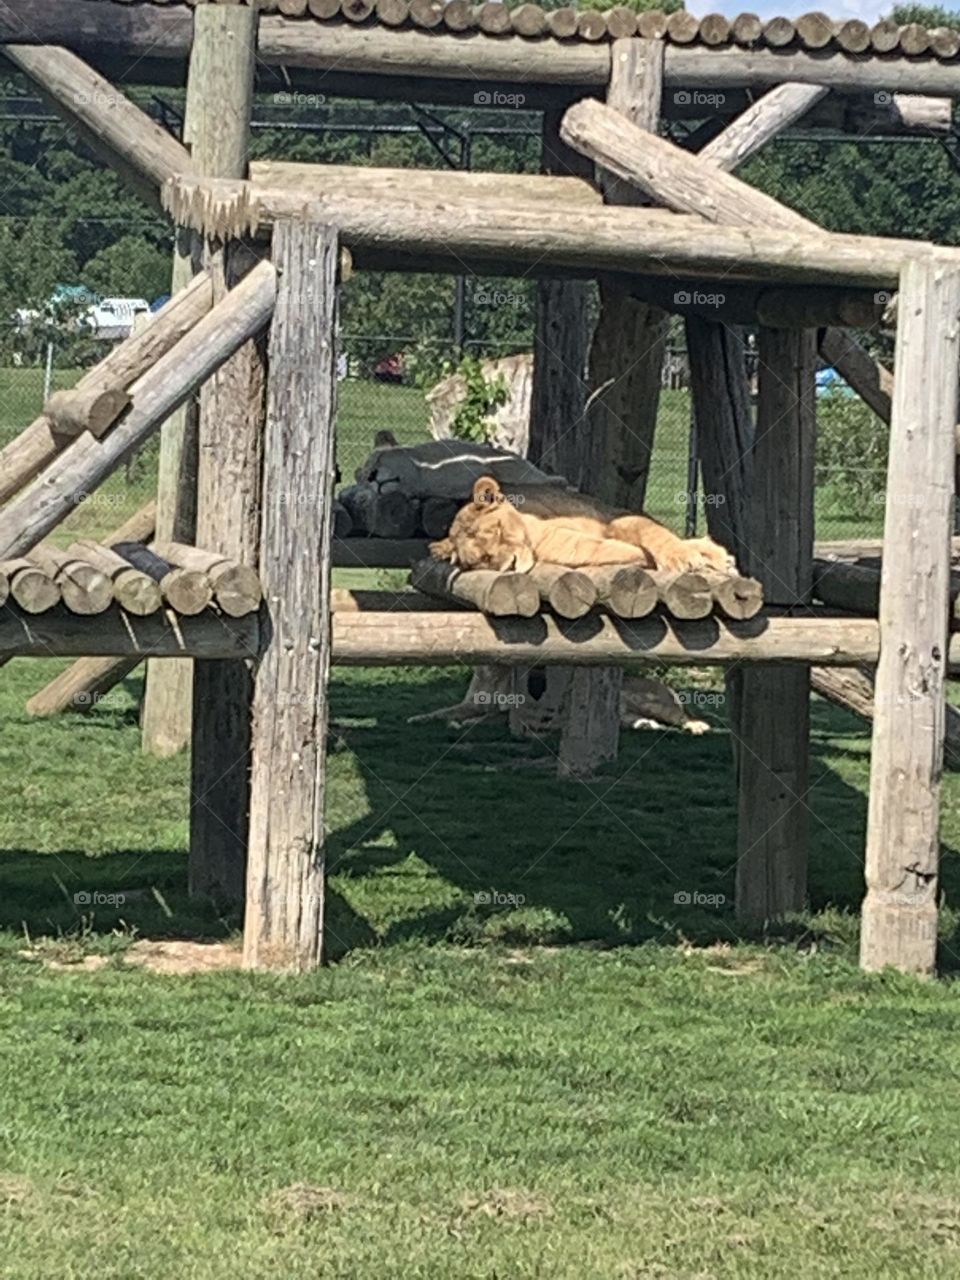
{"x":389,"y":392}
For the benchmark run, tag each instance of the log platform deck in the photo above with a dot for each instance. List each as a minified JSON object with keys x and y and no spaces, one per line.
{"x":129,"y":580}
{"x":622,"y":591}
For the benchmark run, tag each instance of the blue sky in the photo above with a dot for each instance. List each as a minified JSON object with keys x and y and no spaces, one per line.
{"x":867,"y":10}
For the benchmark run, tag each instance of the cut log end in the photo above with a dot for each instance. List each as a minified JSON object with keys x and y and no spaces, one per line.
{"x":94,"y":409}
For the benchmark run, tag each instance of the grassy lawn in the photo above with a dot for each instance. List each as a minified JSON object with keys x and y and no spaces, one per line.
{"x":594,"y":1081}
{"x":544,"y":1049}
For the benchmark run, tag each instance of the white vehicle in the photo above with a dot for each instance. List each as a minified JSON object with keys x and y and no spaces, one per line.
{"x":112,"y":319}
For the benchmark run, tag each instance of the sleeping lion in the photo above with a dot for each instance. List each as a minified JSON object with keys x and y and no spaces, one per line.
{"x":564,"y":527}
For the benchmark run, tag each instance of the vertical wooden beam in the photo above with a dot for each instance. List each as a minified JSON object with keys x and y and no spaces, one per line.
{"x":560,"y":442}
{"x":626,"y":354}
{"x":724,"y":417}
{"x":899,"y":926}
{"x":774,"y":713}
{"x":228,"y":521}
{"x":561,"y":341}
{"x":284,"y":919}
{"x":229,"y":442}
{"x":219,"y":103}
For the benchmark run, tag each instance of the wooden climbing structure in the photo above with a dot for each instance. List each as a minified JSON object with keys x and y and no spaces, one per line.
{"x":247,"y":439}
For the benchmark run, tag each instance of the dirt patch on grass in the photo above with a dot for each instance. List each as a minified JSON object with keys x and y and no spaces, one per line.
{"x":303,"y":1202}
{"x":507,"y":1203}
{"x":184,"y":957}
{"x":157,"y":957}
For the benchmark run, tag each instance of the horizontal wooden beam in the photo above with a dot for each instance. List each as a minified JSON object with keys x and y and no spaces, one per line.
{"x":398,"y":637}
{"x":802,"y":307}
{"x":336,"y":181}
{"x":639,"y":241}
{"x":103,"y":29}
{"x":735,"y":68}
{"x":58,"y":633}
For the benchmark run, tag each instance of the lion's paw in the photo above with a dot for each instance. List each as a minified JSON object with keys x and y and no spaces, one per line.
{"x":696,"y":727}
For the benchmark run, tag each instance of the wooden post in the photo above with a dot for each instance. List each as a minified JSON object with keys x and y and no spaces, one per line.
{"x":899,"y":925}
{"x":773,"y":730}
{"x":217,"y":130}
{"x":285,"y":882}
{"x":561,"y":339}
{"x":626,"y":354}
{"x":560,"y":442}
{"x":228,"y":522}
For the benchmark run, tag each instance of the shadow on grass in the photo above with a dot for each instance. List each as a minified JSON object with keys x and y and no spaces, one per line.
{"x":72,"y":896}
{"x":441,"y":833}
{"x":463,"y":838}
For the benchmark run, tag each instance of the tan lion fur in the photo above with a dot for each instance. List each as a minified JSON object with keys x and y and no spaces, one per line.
{"x":559,"y":526}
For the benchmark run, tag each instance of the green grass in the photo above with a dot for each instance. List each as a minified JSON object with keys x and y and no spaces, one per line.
{"x":597,"y":1082}
{"x":533,"y":1056}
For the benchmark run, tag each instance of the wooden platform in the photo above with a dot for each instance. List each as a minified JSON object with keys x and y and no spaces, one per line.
{"x":623,"y":591}
{"x":88,"y":580}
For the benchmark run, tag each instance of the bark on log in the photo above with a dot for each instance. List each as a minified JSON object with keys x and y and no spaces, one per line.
{"x":775,"y":111}
{"x":286,"y":874}
{"x":132,"y":590}
{"x":424,"y":186}
{"x":94,"y":410}
{"x":501,"y":595}
{"x":84,"y":588}
{"x":899,"y":923}
{"x":395,"y":637}
{"x":639,"y":241}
